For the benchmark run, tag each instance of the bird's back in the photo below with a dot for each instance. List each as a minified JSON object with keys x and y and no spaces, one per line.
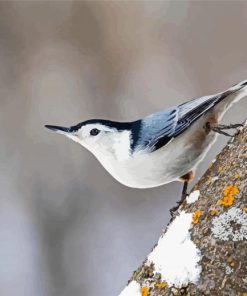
{"x":158,"y":129}
{"x":170,"y":143}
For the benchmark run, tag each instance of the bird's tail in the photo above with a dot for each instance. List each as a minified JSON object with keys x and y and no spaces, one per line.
{"x":232,"y":95}
{"x":218,"y":104}
{"x":240,"y":89}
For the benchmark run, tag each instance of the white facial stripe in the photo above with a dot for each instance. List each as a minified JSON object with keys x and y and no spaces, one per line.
{"x":85,"y":129}
{"x":109,"y":144}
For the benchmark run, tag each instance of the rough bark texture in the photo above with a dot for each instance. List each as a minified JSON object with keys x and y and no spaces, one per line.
{"x":223,"y":251}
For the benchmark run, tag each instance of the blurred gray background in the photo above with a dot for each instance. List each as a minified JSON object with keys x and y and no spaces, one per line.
{"x":66,"y":227}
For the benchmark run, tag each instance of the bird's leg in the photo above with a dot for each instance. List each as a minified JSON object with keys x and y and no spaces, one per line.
{"x":185,"y":179}
{"x":183,"y":197}
{"x":218,"y":128}
{"x":184,"y":191}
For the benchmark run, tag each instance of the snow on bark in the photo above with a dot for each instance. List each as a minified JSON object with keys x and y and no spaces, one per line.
{"x":203,"y":250}
{"x":194,"y":195}
{"x":133,"y":289}
{"x":168,"y":256}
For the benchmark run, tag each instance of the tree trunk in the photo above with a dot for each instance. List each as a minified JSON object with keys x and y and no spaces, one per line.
{"x":203,"y":250}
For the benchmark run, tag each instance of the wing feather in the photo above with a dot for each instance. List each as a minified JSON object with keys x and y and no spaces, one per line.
{"x":158,"y":129}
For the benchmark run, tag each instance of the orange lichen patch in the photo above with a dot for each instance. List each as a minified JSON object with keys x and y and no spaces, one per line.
{"x":196,"y":216}
{"x":236,"y":176}
{"x":144,"y":291}
{"x":245,"y":210}
{"x":244,"y":294}
{"x":229,"y":193}
{"x":231,"y":190}
{"x":226,"y":200}
{"x":213,"y":212}
{"x":161,"y":285}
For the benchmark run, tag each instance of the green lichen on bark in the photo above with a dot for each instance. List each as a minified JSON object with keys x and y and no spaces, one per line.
{"x":223,"y":255}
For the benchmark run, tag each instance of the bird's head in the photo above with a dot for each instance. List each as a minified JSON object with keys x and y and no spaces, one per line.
{"x":101,"y":137}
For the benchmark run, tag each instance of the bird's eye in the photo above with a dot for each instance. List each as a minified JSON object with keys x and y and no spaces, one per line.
{"x":94,"y":132}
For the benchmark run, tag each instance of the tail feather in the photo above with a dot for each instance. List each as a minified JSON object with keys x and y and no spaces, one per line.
{"x":231,"y":96}
{"x":219,"y":103}
{"x":240,"y":84}
{"x":237,"y":91}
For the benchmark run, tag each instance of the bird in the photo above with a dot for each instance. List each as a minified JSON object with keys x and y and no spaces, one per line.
{"x":162,"y":147}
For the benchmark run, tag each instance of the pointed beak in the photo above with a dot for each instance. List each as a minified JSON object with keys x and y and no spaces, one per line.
{"x":59,"y":129}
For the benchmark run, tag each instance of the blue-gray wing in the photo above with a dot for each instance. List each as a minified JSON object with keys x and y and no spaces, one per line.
{"x":158,"y":129}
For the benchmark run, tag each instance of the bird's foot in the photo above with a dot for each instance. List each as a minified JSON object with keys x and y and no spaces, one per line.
{"x":175,"y":208}
{"x":219,"y":128}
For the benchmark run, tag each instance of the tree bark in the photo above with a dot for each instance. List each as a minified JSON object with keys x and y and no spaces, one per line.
{"x":203,"y":250}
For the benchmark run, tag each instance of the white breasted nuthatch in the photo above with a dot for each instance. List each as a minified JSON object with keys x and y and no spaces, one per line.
{"x":160,"y":148}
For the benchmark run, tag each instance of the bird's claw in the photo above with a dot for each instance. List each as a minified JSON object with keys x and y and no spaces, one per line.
{"x":220,"y":127}
{"x":175,"y":208}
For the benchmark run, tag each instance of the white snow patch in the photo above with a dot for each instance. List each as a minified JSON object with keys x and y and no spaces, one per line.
{"x":193,"y":197}
{"x":176,"y":256}
{"x":223,"y":226}
{"x":133,"y":289}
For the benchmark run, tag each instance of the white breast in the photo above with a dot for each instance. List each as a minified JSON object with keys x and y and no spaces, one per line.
{"x":181,"y":155}
{"x":146,"y":170}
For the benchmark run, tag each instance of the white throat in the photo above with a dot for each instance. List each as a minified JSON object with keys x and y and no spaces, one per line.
{"x":115,"y":146}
